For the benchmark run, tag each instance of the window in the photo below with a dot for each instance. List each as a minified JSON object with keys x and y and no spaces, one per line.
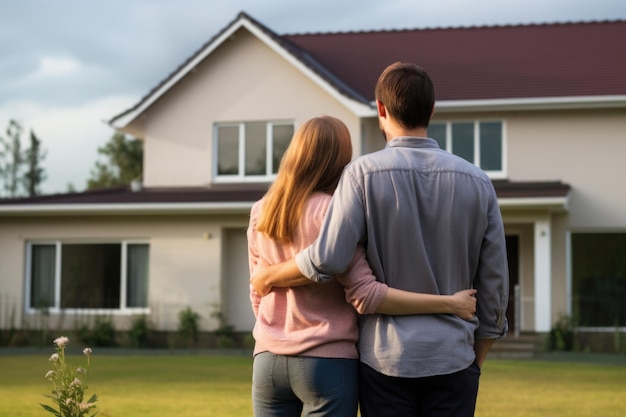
{"x":480,"y":143}
{"x":599,"y":279}
{"x":87,"y":275}
{"x":250,"y":151}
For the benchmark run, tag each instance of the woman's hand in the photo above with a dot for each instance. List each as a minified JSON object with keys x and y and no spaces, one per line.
{"x":464,"y":304}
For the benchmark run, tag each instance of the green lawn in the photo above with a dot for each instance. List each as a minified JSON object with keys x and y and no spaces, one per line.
{"x":202,"y":384}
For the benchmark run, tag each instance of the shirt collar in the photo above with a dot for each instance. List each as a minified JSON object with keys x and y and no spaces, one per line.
{"x":412,"y":142}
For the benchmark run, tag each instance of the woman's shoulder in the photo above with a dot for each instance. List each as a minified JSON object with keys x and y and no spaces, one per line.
{"x":318,"y":202}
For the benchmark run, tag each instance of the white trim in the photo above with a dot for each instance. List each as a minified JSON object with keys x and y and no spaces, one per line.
{"x":603,"y":329}
{"x":549,"y":203}
{"x":543,"y":275}
{"x":359,"y":109}
{"x":123,"y":208}
{"x":531,"y":103}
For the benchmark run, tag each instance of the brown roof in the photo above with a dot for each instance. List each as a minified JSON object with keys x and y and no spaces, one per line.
{"x":468,"y":63}
{"x":475,"y":63}
{"x":239,"y":194}
{"x":124,"y":195}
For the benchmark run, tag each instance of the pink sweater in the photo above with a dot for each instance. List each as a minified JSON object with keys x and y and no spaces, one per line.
{"x":315,"y":319}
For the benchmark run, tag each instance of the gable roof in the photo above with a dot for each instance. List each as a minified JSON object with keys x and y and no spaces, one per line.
{"x":477,"y":63}
{"x":516,"y":66}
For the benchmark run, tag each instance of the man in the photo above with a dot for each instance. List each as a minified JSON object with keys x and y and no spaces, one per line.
{"x":430,"y":222}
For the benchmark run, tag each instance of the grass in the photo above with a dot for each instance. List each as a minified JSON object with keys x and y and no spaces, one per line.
{"x":201,"y":385}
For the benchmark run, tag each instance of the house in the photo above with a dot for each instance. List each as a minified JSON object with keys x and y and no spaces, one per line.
{"x":541,"y":108}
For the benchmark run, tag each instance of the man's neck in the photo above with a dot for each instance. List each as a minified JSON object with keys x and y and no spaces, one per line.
{"x":397,"y":131}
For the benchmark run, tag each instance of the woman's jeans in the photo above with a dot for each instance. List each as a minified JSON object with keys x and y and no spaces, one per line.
{"x":300,"y":385}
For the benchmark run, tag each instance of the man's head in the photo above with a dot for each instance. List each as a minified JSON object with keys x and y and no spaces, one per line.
{"x":407,"y":94}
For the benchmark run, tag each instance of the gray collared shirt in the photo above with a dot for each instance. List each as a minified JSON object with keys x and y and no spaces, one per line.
{"x":430,"y":223}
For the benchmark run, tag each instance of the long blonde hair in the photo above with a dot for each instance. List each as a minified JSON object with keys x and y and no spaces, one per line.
{"x":314,"y":160}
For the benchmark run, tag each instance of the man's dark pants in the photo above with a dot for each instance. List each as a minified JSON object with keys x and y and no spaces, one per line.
{"x":452,"y":395}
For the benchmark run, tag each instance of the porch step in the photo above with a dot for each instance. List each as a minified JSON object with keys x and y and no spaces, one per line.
{"x":524,"y":346}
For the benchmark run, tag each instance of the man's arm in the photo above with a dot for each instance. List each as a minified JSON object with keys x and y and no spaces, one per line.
{"x":481,"y":347}
{"x":284,"y":274}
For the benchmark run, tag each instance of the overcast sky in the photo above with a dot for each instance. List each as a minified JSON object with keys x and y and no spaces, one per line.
{"x":66,"y":66}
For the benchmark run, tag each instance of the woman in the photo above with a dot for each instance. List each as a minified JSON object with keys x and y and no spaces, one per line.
{"x":306,"y":361}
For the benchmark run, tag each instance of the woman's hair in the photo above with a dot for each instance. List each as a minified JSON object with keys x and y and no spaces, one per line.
{"x":319,"y":151}
{"x":408,"y":94}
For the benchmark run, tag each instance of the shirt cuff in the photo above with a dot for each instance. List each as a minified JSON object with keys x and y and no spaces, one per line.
{"x":306,"y":267}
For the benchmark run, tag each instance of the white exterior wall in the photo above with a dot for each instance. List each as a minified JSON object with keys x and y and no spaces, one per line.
{"x":243,"y":80}
{"x":583,"y":148}
{"x":186,"y":262}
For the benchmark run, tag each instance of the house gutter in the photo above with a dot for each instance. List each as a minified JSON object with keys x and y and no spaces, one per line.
{"x":541,"y":203}
{"x":125,"y":209}
{"x":530,"y":203}
{"x":533,"y":103}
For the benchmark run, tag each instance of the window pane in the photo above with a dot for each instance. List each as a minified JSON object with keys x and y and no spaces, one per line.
{"x":256,"y":146}
{"x":463,"y":140}
{"x":491,"y":146}
{"x":599,"y":279}
{"x":281,"y":140}
{"x":228,"y":150}
{"x":43,"y":263}
{"x":90,"y":275}
{"x":437,"y":131}
{"x":137,"y":276}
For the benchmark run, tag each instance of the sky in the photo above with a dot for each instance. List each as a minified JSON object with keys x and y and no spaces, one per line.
{"x":69,"y":66}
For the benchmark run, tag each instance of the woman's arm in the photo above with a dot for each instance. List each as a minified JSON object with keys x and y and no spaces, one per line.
{"x":398,"y":302}
{"x":369,"y":296}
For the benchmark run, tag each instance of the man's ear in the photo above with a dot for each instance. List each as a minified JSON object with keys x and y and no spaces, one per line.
{"x":382,"y":111}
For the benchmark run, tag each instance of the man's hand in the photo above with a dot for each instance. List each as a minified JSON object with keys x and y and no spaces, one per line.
{"x":465,"y":304}
{"x":285,"y":274}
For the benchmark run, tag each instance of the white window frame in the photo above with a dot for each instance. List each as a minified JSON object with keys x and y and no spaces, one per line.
{"x":492,"y":174}
{"x":56,"y":308}
{"x":269,"y":142}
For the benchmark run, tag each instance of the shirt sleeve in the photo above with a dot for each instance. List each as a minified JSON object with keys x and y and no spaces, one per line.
{"x":342,"y":230}
{"x":492,"y":277}
{"x":253,"y":259}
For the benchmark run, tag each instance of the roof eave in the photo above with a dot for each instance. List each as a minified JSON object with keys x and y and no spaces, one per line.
{"x":532,"y":103}
{"x":42,"y":210}
{"x":123,"y":120}
{"x":555,"y":204}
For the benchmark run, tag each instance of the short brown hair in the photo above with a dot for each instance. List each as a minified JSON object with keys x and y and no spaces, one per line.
{"x":314,"y":161}
{"x":408,"y":94}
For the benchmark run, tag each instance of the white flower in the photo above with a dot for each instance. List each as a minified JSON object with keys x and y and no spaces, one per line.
{"x":87,"y":351}
{"x":85,"y":406}
{"x":81,"y":370}
{"x":75,"y":382}
{"x":49,"y":375}
{"x":54,"y":357}
{"x":61,"y":341}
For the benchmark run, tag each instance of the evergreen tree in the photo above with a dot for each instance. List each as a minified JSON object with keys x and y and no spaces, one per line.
{"x":12,"y":160}
{"x":35,"y":174}
{"x":21,"y":172}
{"x":124,"y":163}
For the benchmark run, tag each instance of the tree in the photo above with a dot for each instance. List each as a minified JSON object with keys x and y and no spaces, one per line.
{"x":35,"y":173}
{"x":12,"y":159}
{"x":124,"y":163}
{"x":21,"y":172}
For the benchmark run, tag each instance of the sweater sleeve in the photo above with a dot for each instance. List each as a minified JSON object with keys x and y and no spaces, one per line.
{"x":253,"y":258}
{"x":362,"y":289}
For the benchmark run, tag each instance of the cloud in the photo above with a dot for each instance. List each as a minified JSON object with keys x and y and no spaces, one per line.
{"x":68,"y":65}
